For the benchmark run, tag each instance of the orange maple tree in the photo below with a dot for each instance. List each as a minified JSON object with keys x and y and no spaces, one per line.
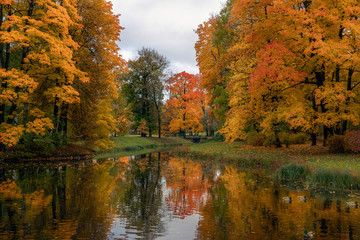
{"x":186,"y":104}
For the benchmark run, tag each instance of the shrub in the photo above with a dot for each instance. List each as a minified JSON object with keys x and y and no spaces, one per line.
{"x":336,"y":144}
{"x":218,"y":137}
{"x":293,"y":138}
{"x":352,"y":140}
{"x":38,"y":143}
{"x":270,"y":141}
{"x":298,"y":138}
{"x":255,"y":139}
{"x":285,"y":138}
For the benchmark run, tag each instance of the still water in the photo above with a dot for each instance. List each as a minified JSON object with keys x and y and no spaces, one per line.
{"x":158,"y":196}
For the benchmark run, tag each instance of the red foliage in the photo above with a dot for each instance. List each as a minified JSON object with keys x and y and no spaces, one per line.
{"x":353,"y":141}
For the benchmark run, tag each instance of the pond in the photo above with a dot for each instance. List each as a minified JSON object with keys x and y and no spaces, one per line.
{"x":159,"y":196}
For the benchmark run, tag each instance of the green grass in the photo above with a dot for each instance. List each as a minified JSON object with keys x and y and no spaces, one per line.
{"x":343,"y":161}
{"x":238,"y":152}
{"x":322,"y":177}
{"x":136,"y":144}
{"x":315,"y":157}
{"x":333,"y":178}
{"x":231,"y":153}
{"x":106,"y":155}
{"x":292,"y":172}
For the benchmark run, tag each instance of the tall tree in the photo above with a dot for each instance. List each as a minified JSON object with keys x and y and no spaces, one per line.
{"x":58,"y":64}
{"x":98,"y":56}
{"x":38,"y":71}
{"x":214,"y":40}
{"x":143,"y":87}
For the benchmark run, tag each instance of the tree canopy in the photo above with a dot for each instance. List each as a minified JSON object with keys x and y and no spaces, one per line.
{"x":283,"y":65}
{"x":53,"y":54}
{"x":265,"y":66}
{"x":143,"y":87}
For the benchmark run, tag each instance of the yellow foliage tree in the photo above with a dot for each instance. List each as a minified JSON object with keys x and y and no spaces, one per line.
{"x":292,"y":65}
{"x":98,"y":56}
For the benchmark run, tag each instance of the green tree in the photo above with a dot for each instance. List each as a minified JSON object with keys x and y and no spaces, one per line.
{"x":143,"y":87}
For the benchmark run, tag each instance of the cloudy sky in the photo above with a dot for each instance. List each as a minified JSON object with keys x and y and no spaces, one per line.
{"x":164,"y":25}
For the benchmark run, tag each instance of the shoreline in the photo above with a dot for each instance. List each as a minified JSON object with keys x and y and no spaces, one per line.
{"x":71,"y":152}
{"x":310,"y":166}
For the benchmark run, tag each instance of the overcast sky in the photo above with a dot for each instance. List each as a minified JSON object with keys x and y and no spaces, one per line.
{"x":164,"y":25}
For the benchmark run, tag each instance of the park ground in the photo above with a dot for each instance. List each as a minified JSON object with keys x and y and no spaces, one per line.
{"x":301,"y":164}
{"x":313,"y":156}
{"x":239,"y":153}
{"x":310,"y":166}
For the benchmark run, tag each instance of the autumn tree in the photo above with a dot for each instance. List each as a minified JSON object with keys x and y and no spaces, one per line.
{"x":186,"y":103}
{"x":143,"y":87}
{"x":37,"y":67}
{"x":214,"y":40}
{"x":91,"y":118}
{"x":122,"y":114}
{"x":294,"y":67}
{"x":58,"y":62}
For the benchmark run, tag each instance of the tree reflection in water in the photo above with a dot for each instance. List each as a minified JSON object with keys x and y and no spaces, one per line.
{"x":151,"y":195}
{"x":140,"y":201}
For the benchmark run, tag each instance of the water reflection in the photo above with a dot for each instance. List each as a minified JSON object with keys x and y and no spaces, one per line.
{"x":158,"y":196}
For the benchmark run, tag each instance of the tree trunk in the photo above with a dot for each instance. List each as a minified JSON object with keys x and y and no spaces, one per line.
{"x":2,"y":61}
{"x":159,"y":123}
{"x":277,"y":138}
{"x":150,"y":131}
{"x":338,"y":124}
{"x":12,"y":111}
{"x":277,"y":142}
{"x":56,"y":113}
{"x":326,"y":134}
{"x":320,"y":79}
{"x":313,"y":139}
{"x":349,"y":88}
{"x":63,"y":122}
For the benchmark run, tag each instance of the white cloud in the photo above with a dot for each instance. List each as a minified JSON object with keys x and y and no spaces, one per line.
{"x":164,"y":25}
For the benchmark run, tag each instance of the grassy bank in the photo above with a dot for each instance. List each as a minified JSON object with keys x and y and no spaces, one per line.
{"x":78,"y":150}
{"x":135,"y":144}
{"x":316,"y":165}
{"x":314,"y":156}
{"x":69,"y":152}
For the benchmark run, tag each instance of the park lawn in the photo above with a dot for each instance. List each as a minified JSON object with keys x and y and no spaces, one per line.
{"x":316,"y":157}
{"x":112,"y":154}
{"x":136,"y":140}
{"x":135,"y":143}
